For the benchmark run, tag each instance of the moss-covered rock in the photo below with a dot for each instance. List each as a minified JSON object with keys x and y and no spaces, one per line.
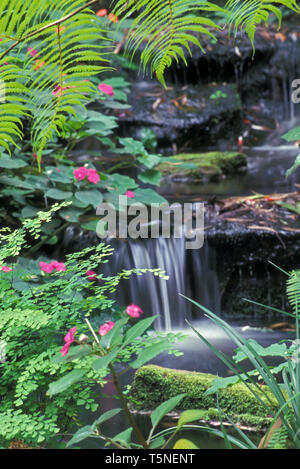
{"x":198,"y":166}
{"x":152,"y":385}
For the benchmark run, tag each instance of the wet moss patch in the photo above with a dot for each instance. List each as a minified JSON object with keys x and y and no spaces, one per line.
{"x":152,"y":385}
{"x":201,"y":166}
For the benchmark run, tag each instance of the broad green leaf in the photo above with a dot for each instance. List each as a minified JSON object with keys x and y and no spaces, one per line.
{"x":71,"y":214}
{"x":92,"y":197}
{"x":74,"y":353}
{"x":292,"y":135}
{"x":183,"y":443}
{"x":138,"y":329}
{"x":151,"y":352}
{"x":150,"y":160}
{"x":124,"y":437}
{"x":106,"y":416}
{"x":65,"y":382}
{"x":190,"y":416}
{"x":164,"y":408}
{"x":81,"y":434}
{"x":157,"y":442}
{"x":151,"y":176}
{"x":57,"y":194}
{"x":103,"y":362}
{"x":10,"y":163}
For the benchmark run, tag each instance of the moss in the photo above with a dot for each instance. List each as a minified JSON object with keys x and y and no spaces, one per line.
{"x":212,"y":165}
{"x":153,"y":385}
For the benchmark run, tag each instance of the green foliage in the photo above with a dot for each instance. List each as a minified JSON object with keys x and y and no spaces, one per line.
{"x":41,"y":392}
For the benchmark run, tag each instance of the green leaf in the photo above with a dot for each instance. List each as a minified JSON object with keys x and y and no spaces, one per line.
{"x":164,"y":408}
{"x":74,"y":353}
{"x":106,"y":416}
{"x":81,"y":434}
{"x":57,"y":194}
{"x":103,"y":362}
{"x":114,"y":336}
{"x":124,"y":437}
{"x":190,"y":416}
{"x":150,"y":160}
{"x":87,"y":198}
{"x":138,"y":329}
{"x":151,"y":176}
{"x":147,"y":196}
{"x":71,"y":214}
{"x":150,"y":352}
{"x":183,"y":443}
{"x":292,"y":135}
{"x":65,"y":382}
{"x":294,"y":167}
{"x":9,"y":163}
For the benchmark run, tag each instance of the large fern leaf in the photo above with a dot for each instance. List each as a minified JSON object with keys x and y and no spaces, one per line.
{"x":164,"y":29}
{"x":248,"y":14}
{"x":68,"y":38}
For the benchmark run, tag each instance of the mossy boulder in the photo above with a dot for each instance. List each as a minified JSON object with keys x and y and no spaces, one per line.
{"x":198,"y":166}
{"x":152,"y":385}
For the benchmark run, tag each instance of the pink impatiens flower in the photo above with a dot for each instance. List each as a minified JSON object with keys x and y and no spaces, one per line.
{"x":106,"y":89}
{"x":130,"y":194}
{"x":106,"y":327}
{"x":48,"y":268}
{"x":69,"y":339}
{"x":5,"y":268}
{"x":102,"y":12}
{"x":134,"y":311}
{"x":91,"y":275}
{"x":81,"y":173}
{"x":32,"y":52}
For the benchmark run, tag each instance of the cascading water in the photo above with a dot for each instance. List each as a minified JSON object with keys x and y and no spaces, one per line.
{"x":191,"y":273}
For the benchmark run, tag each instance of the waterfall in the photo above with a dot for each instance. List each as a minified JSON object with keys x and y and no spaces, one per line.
{"x":191,"y":273}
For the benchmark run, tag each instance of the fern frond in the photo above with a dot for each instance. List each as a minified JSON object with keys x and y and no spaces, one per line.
{"x":293,"y":290}
{"x":164,"y":29}
{"x":248,"y":14}
{"x":47,"y":86}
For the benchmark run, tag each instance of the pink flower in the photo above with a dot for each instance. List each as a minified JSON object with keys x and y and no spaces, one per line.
{"x":81,"y":173}
{"x":69,"y":339}
{"x":5,"y":268}
{"x":32,"y":52}
{"x":106,"y":89}
{"x":130,"y":194}
{"x":134,"y":311}
{"x":92,"y":176}
{"x":91,"y":275}
{"x":106,"y":327}
{"x":48,"y":268}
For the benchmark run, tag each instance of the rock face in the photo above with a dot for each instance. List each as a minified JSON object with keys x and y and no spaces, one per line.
{"x":204,"y":166}
{"x":187,"y":116}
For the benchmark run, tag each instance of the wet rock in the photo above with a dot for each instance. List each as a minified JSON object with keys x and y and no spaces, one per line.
{"x":185,"y":116}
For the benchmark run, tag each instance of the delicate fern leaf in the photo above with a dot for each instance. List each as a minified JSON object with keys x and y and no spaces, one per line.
{"x":163,"y":28}
{"x":249,"y":14}
{"x":293,"y":290}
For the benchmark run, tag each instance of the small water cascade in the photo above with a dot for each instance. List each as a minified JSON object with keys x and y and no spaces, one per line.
{"x":191,"y":273}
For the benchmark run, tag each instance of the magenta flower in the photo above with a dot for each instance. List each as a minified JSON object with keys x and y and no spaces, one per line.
{"x":130,"y":194}
{"x":91,"y":275}
{"x":81,"y":173}
{"x":106,"y":89}
{"x":106,"y":327}
{"x":48,"y":268}
{"x":5,"y":268}
{"x":32,"y":52}
{"x":134,"y":311}
{"x":69,"y":339}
